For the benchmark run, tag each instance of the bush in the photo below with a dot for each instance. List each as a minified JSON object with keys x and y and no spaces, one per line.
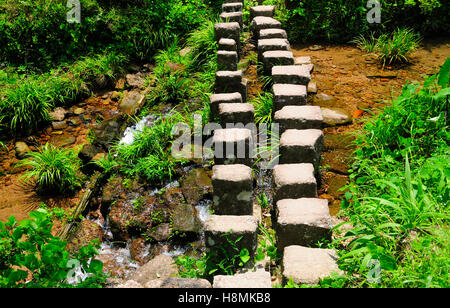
{"x":31,"y":257}
{"x":53,"y":170}
{"x":340,"y":21}
{"x":36,"y":33}
{"x":399,"y":195}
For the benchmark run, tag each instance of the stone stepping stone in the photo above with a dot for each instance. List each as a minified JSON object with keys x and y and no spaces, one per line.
{"x":288,"y":95}
{"x":232,"y":17}
{"x":227,"y":44}
{"x":308,"y":265}
{"x":272,"y":45}
{"x":262,"y":10}
{"x":301,"y":146}
{"x":250,"y":280}
{"x":236,"y":113}
{"x":228,"y":81}
{"x":277,"y":57}
{"x":219,"y":227}
{"x":312,"y":87}
{"x":302,"y":222}
{"x":272,"y":33}
{"x":244,"y":89}
{"x":232,"y":187}
{"x":261,"y":22}
{"x":233,"y":146}
{"x":308,"y":67}
{"x":229,"y":30}
{"x":227,"y":60}
{"x":291,"y":74}
{"x":299,"y":117}
{"x":223,"y":98}
{"x":232,"y":7}
{"x":293,"y":181}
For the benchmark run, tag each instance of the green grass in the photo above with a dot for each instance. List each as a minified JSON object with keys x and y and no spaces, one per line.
{"x":263,"y":108}
{"x":53,"y":170}
{"x":399,"y":193}
{"x":391,"y":48}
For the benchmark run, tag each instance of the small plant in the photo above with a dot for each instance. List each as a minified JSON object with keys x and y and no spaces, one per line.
{"x":393,"y":48}
{"x":263,"y":108}
{"x":53,"y":170}
{"x":266,"y":245}
{"x":31,"y":257}
{"x":263,"y":201}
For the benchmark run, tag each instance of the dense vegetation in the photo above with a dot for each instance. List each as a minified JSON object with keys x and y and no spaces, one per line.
{"x":399,"y":196}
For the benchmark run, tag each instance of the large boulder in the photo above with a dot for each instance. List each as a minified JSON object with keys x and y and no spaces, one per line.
{"x":185,"y":219}
{"x":21,"y":149}
{"x":86,"y":232}
{"x":129,"y":102}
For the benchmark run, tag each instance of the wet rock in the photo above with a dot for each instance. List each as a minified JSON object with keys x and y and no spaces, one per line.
{"x":107,"y":132}
{"x":57,"y":114}
{"x":322,"y":97}
{"x":86,"y":232}
{"x":75,"y":121}
{"x":120,"y":84}
{"x":115,"y":96}
{"x":59,"y":125}
{"x":160,"y":267}
{"x":61,"y":141}
{"x":139,"y":251}
{"x":316,"y":47}
{"x":196,"y":185}
{"x":78,"y":111}
{"x":112,"y":189}
{"x":21,"y":149}
{"x":336,"y":116}
{"x":135,"y":80}
{"x":178,"y":283}
{"x":173,"y":196}
{"x":160,"y":233}
{"x":185,"y":219}
{"x":88,"y":152}
{"x":129,"y":101}
{"x":312,"y":87}
{"x":130,"y":284}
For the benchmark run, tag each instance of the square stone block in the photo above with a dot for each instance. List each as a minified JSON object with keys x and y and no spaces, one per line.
{"x":236,"y":113}
{"x":291,"y":74}
{"x":262,"y":10}
{"x":228,"y":81}
{"x":288,"y":95}
{"x":308,"y":265}
{"x":294,"y":181}
{"x":250,"y":280}
{"x":232,"y":7}
{"x":227,"y":60}
{"x":299,"y":117}
{"x":232,"y":17}
{"x":301,"y":146}
{"x":277,"y":57}
{"x":218,"y":227}
{"x":223,"y":98}
{"x":303,"y":222}
{"x":232,"y":190}
{"x":227,"y":44}
{"x":233,"y":146}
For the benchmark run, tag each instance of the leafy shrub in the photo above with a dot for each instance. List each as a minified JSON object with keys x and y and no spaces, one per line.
{"x":396,"y":47}
{"x":263,"y":107}
{"x":53,"y":170}
{"x":36,"y":33}
{"x":31,"y":257}
{"x":399,"y":195}
{"x":341,"y":21}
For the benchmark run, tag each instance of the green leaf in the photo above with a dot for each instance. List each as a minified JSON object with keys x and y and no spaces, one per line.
{"x":443,"y":79}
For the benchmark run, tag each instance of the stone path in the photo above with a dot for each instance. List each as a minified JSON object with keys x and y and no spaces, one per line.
{"x":301,"y":218}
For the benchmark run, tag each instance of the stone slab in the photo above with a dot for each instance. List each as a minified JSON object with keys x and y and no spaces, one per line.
{"x":288,"y":95}
{"x":291,"y":74}
{"x":293,"y":181}
{"x":301,"y":146}
{"x":299,"y":117}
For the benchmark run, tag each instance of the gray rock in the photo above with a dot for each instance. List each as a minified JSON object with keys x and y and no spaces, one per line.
{"x":130,"y":284}
{"x":160,"y":267}
{"x":293,"y":181}
{"x":135,"y":80}
{"x":259,"y":280}
{"x":88,"y":152}
{"x":185,"y":219}
{"x":178,"y":283}
{"x":129,"y":101}
{"x":301,"y":146}
{"x":160,"y":233}
{"x":308,"y":265}
{"x":59,"y":125}
{"x":62,"y":140}
{"x":303,"y":222}
{"x":227,"y":60}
